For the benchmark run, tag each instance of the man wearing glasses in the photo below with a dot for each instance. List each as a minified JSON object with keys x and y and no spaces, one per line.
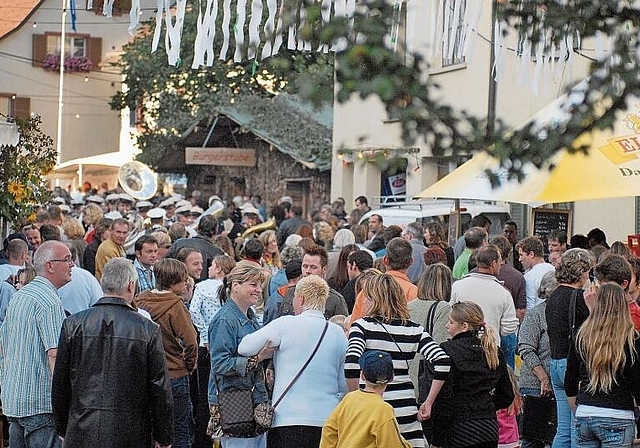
{"x":28,"y":348}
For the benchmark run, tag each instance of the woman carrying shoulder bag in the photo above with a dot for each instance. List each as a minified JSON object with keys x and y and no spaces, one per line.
{"x":231,"y":372}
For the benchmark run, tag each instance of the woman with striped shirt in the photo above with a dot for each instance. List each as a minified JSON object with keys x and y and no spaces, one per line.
{"x":386,"y":326}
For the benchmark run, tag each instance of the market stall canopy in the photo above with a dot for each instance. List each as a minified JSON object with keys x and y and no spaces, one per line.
{"x":94,"y":164}
{"x":611,"y":169}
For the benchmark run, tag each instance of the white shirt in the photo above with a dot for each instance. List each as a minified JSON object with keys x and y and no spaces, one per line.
{"x":533,"y":277}
{"x":321,"y":386}
{"x":495,"y":300}
{"x":205,"y":303}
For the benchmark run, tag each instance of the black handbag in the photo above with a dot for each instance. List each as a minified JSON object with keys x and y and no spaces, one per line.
{"x":236,"y":413}
{"x":538,"y":418}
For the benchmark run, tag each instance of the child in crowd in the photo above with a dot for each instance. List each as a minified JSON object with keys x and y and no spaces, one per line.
{"x":342,"y":321}
{"x":363,"y":419}
{"x":508,"y":435}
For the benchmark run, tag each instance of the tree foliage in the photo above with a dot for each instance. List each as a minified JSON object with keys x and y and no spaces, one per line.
{"x":22,"y":173}
{"x":170,"y":100}
{"x":367,"y":67}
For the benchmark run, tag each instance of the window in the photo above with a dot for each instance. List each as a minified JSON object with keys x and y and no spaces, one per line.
{"x":14,"y":106}
{"x":73,"y":45}
{"x":76,"y":46}
{"x":119,"y":7}
{"x":454,"y":14}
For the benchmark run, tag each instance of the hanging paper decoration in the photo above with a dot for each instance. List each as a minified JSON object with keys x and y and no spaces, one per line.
{"x":244,"y":26}
{"x":453,"y":26}
{"x":107,"y":8}
{"x":545,"y":53}
{"x":173,"y":34}
{"x":9,"y":134}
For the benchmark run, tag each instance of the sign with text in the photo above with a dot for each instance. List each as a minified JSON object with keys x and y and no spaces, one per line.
{"x":220,"y":156}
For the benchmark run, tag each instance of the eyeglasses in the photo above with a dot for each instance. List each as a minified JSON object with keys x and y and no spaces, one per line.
{"x":64,"y":260}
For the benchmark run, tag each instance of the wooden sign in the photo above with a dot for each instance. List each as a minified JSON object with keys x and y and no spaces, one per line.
{"x":220,"y":156}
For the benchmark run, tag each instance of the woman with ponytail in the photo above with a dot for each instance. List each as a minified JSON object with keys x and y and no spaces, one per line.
{"x":603,"y":373}
{"x":479,"y":379}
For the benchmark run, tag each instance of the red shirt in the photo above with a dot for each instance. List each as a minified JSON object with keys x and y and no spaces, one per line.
{"x":634,"y":309}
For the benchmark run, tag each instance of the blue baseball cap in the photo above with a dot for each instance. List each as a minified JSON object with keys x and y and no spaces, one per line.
{"x":376,"y":366}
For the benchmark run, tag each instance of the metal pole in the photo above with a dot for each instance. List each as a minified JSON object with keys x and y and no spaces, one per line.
{"x":61,"y":81}
{"x":491,"y":104}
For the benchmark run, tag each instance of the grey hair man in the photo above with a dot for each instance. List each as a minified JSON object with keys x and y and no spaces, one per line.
{"x":112,"y":340}
{"x":28,"y":349}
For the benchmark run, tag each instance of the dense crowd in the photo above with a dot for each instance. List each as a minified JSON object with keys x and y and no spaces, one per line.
{"x":173,"y":322}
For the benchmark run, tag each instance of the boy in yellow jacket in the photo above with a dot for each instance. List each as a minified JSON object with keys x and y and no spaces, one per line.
{"x":363,"y":418}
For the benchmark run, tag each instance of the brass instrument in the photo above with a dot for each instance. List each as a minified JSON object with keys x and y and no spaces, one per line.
{"x":259,"y":228}
{"x":140,"y":182}
{"x":216,"y":208}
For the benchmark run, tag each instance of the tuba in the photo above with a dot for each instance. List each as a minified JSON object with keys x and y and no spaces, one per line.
{"x":140,"y":182}
{"x":216,"y":208}
{"x":259,"y":228}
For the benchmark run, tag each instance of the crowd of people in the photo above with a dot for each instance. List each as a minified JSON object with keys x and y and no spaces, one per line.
{"x":131,"y":323}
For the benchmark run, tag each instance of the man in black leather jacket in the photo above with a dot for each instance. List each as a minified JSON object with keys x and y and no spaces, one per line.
{"x":110,"y":382}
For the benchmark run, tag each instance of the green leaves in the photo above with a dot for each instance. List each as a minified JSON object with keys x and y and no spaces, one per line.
{"x":22,"y":172}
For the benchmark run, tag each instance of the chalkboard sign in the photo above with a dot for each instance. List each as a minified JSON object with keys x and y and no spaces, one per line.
{"x":545,"y":220}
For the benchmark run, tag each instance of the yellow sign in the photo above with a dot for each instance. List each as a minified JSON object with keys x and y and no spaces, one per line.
{"x":622,"y":149}
{"x":220,"y":156}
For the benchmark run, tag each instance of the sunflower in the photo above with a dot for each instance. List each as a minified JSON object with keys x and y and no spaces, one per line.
{"x":16,"y":189}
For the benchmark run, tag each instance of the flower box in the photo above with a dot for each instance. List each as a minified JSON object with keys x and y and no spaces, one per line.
{"x":71,"y":63}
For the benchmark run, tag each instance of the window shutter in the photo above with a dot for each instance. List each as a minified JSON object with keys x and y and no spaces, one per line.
{"x":95,"y":51}
{"x":22,"y":107}
{"x":39,"y":49}
{"x":97,"y":6}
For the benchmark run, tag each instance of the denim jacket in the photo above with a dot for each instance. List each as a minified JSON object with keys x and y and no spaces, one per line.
{"x":228,"y":369}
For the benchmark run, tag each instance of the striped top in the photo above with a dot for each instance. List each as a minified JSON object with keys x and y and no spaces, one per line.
{"x":31,"y":327}
{"x":402,"y":341}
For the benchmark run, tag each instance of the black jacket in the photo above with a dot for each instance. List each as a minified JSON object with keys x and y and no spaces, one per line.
{"x":111,"y":388}
{"x":623,"y":390}
{"x":477,"y":391}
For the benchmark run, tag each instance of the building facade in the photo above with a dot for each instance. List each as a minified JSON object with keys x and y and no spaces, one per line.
{"x":360,"y":138}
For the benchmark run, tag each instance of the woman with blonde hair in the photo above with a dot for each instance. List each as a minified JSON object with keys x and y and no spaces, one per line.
{"x":164,"y":243}
{"x":479,"y":382}
{"x":603,"y":377}
{"x":431,"y":310}
{"x":386,"y":326}
{"x":241,"y":290}
{"x":271,"y":255}
{"x":91,"y":214}
{"x":317,"y":389}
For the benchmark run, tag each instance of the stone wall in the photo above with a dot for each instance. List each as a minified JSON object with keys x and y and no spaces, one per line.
{"x":275,"y":175}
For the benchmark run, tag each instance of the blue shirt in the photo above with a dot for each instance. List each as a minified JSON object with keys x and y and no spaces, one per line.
{"x":31,"y":328}
{"x":146,"y":278}
{"x":81,"y":292}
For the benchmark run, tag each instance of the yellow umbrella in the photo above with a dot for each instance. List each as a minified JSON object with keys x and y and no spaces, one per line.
{"x":611,"y":169}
